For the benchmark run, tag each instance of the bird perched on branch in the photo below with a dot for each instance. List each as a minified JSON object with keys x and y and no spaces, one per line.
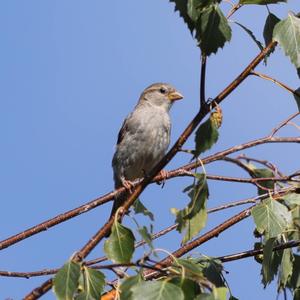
{"x":143,"y":138}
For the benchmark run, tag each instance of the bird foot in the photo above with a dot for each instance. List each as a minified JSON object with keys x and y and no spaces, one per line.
{"x":128,"y":185}
{"x":164,"y":175}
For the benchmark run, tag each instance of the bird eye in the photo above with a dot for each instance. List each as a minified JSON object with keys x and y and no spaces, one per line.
{"x":163,"y":90}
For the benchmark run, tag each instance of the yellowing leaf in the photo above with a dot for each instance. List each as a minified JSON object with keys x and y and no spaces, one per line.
{"x":271,"y":218}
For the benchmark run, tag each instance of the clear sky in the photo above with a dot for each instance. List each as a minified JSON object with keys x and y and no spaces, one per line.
{"x":70,"y":71}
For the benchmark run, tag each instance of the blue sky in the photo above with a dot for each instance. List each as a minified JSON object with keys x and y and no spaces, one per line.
{"x":70,"y":72}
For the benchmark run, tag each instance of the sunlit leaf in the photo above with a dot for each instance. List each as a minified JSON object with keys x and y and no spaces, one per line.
{"x":156,"y":290}
{"x":287,"y":34}
{"x":66,"y":281}
{"x":127,"y":285}
{"x":94,"y":282}
{"x":292,"y":199}
{"x":119,"y":247}
{"x":217,"y":294}
{"x":271,"y":218}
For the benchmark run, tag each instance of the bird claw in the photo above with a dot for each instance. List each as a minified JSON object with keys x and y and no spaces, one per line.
{"x":164,"y":175}
{"x":128,"y":185}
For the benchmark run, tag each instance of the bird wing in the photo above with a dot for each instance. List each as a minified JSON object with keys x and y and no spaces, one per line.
{"x":123,"y":129}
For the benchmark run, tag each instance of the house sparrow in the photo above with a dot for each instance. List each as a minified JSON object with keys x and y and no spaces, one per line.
{"x":143,"y":138}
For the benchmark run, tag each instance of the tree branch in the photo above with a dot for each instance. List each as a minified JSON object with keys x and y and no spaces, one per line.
{"x":255,"y":252}
{"x":102,"y":232}
{"x":109,"y":196}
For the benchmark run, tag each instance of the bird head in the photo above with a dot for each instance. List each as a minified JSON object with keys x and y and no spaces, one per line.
{"x":162,"y":95}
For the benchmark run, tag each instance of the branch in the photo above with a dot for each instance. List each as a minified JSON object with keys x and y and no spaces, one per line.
{"x":277,"y":82}
{"x":109,"y":196}
{"x":233,"y":10}
{"x":255,"y":252}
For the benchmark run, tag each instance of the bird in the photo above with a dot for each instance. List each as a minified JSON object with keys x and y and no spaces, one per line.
{"x":143,"y":138}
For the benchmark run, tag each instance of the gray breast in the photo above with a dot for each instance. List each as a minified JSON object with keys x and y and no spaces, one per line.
{"x":143,"y":145}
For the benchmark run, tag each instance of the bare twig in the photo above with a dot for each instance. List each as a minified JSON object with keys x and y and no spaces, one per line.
{"x":233,"y":10}
{"x":284,"y":123}
{"x":265,"y":163}
{"x":254,"y":252}
{"x":283,"y":85}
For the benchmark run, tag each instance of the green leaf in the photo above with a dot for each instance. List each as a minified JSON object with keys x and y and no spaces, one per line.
{"x":212,"y":270}
{"x":251,"y":34}
{"x":206,"y":136}
{"x":263,"y":173}
{"x":127,"y":285}
{"x":271,"y":218}
{"x":193,"y":217}
{"x":217,"y":294}
{"x":212,"y":30}
{"x":139,"y":208}
{"x":292,"y":199}
{"x":146,"y":236}
{"x":286,"y":268}
{"x":181,"y":6}
{"x":66,"y":281}
{"x":271,"y":21}
{"x":119,"y":247}
{"x":261,"y":2}
{"x":287,"y":34}
{"x":156,"y":290}
{"x":294,"y":281}
{"x":189,"y":287}
{"x":94,"y":282}
{"x":190,"y":268}
{"x":271,"y":261}
{"x":297,"y":98}
{"x":205,"y":18}
{"x":195,"y":7}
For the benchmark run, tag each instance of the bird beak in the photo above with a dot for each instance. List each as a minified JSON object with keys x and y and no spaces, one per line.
{"x":173,"y":96}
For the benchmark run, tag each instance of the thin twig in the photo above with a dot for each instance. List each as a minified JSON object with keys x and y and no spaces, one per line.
{"x":265,"y":163}
{"x":283,"y":85}
{"x":233,"y":10}
{"x":254,"y":252}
